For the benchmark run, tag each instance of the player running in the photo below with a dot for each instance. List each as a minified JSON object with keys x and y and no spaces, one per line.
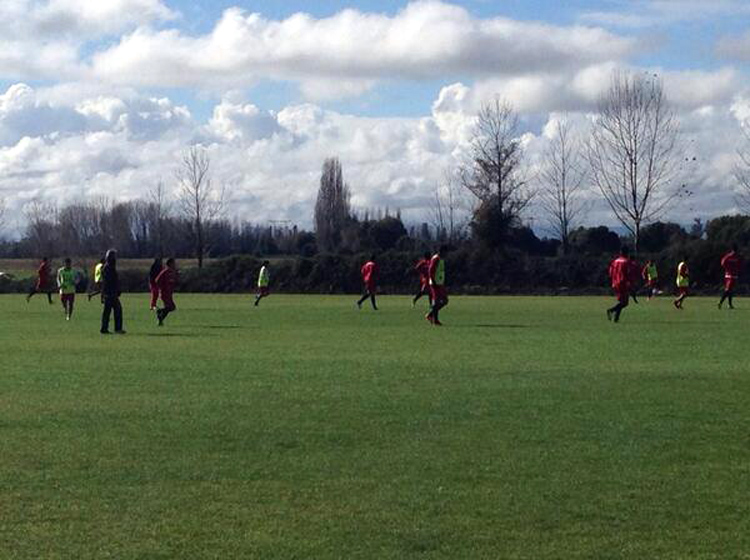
{"x":66,"y":282}
{"x":423,"y":269}
{"x":620,"y":273}
{"x":369,"y":272}
{"x":437,"y":286}
{"x":264,"y":280}
{"x":732,"y":265}
{"x":42,"y":285}
{"x":650,"y":275}
{"x":97,"y":279}
{"x":166,"y":282}
{"x":683,"y":283}
{"x":153,"y":288}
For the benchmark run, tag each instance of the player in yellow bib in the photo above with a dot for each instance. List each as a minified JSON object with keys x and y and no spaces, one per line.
{"x":683,"y":283}
{"x":66,"y":282}
{"x":97,"y":279}
{"x":264,"y":280}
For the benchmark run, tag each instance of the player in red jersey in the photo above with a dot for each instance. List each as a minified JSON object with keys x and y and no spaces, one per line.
{"x":732,"y":265}
{"x":620,"y":272}
{"x":369,"y":272}
{"x":166,"y":281}
{"x":423,"y":269}
{"x":437,"y":286}
{"x":43,"y":281}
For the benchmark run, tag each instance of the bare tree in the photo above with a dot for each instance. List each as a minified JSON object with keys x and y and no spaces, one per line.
{"x":449,"y":210}
{"x":631,"y":152}
{"x":160,"y":210}
{"x":561,"y":182}
{"x":41,"y":226}
{"x":742,"y":173}
{"x":332,"y":207}
{"x":200,"y":202}
{"x":493,"y":174}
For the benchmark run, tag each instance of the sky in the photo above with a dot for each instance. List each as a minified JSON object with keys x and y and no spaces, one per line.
{"x":100,"y":99}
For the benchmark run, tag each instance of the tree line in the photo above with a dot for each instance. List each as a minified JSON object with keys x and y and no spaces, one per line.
{"x":633,"y":157}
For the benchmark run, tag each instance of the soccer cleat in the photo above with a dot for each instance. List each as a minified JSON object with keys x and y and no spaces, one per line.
{"x":121,"y":332}
{"x":437,"y":323}
{"x":104,"y":332}
{"x":359,"y":305}
{"x":719,"y":305}
{"x":609,"y":314}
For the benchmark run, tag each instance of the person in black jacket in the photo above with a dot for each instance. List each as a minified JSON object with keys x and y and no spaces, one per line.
{"x":111,"y":293}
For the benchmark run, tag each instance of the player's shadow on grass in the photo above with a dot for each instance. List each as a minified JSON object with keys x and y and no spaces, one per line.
{"x":173,"y":335}
{"x":497,"y":326}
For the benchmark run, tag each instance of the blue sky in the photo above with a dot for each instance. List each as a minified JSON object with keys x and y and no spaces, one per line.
{"x":99,"y":99}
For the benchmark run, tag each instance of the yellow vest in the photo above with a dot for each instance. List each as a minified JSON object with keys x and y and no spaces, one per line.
{"x":682,"y":281}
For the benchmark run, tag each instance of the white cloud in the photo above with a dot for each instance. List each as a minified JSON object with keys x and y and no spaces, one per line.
{"x":649,"y":13}
{"x":349,"y":51}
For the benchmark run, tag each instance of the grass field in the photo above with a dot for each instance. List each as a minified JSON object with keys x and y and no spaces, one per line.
{"x":524,"y":428}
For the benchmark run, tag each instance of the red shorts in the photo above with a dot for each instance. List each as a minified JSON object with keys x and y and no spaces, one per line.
{"x":652,"y":283}
{"x":424,"y":285}
{"x":65,"y":298}
{"x":729,"y":282}
{"x":439,"y":293}
{"x":168,"y":302}
{"x":682,"y":290}
{"x":263,"y":290}
{"x":370,"y":287}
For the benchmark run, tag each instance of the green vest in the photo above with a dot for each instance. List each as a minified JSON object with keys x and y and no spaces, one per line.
{"x":66,"y":279}
{"x":651,"y":272}
{"x":98,"y":272}
{"x":682,"y":281}
{"x":440,"y":273}
{"x":263,"y":278}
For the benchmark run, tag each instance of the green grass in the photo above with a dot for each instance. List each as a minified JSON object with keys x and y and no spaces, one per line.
{"x":525,"y":428}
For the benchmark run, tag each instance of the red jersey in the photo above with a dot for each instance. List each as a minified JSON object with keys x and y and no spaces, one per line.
{"x":634,"y":273}
{"x":620,"y":272}
{"x":43,"y":272}
{"x":732,"y":264}
{"x":167,"y":281}
{"x":423,"y":269}
{"x":369,"y":272}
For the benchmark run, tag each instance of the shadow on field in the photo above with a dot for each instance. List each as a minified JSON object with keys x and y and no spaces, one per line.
{"x":173,"y":335}
{"x":496,"y":326}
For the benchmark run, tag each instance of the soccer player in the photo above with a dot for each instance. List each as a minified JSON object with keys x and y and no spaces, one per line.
{"x":732,"y":265}
{"x":369,"y":272}
{"x":650,"y":275}
{"x":620,"y":273}
{"x":683,"y":283}
{"x":166,"y":282}
{"x":264,"y":279}
{"x":437,"y":286}
{"x":153,"y":273}
{"x":97,"y":279}
{"x":111,"y":293}
{"x":42,"y":281}
{"x":66,"y":282}
{"x":423,"y":269}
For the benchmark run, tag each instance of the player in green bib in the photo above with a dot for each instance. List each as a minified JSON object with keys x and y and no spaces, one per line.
{"x":264,"y":280}
{"x":66,"y":282}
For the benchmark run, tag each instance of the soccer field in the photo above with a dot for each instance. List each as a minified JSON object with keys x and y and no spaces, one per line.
{"x":524,"y":428}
